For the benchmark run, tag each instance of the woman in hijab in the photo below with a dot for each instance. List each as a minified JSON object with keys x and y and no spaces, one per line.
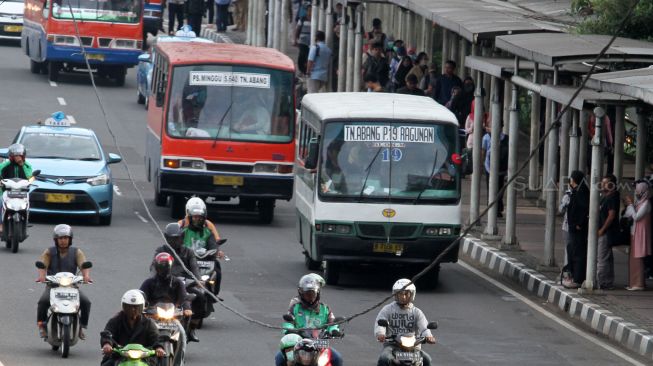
{"x":577,"y":225}
{"x":402,"y":71}
{"x":640,"y":244}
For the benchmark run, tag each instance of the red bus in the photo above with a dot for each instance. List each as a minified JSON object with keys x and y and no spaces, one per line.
{"x":221,"y":124}
{"x":111,"y":32}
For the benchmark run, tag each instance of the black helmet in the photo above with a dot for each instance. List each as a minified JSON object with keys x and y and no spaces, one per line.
{"x":173,"y":234}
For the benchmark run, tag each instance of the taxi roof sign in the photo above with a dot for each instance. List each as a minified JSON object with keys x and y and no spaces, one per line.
{"x":65,"y":122}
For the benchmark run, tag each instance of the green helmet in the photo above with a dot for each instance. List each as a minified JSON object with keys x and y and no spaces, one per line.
{"x":288,"y":342}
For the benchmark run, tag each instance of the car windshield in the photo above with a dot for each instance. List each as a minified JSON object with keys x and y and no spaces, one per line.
{"x":61,"y":146}
{"x":115,"y":11}
{"x":227,"y":102}
{"x":379,"y":161}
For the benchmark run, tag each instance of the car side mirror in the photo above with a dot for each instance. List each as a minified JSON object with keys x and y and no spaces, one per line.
{"x":289,"y":318}
{"x":4,"y":153}
{"x":87,"y":265}
{"x":313,"y":154}
{"x":114,"y":158}
{"x":40,"y":265}
{"x":144,"y":57}
{"x":382,"y":323}
{"x":36,"y":173}
{"x":432,"y":325}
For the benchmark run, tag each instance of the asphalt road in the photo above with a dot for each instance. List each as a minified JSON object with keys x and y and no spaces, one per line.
{"x":479,"y":324}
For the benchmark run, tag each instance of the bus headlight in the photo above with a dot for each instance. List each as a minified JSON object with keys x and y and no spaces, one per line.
{"x":192,"y":164}
{"x":435,"y":231}
{"x":431,"y":231}
{"x":125,"y":44}
{"x":273,"y":168}
{"x":64,"y":40}
{"x":336,"y":228}
{"x":445,"y":231}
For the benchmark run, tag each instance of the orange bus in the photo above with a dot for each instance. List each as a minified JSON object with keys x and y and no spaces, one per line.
{"x":111,"y":32}
{"x":221,"y":124}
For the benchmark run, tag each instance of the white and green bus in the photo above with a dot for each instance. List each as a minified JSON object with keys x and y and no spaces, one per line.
{"x":377,"y":181}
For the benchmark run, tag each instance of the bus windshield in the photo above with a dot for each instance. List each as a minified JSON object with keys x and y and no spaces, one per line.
{"x":378,"y":161}
{"x":115,"y":11}
{"x":228,"y":102}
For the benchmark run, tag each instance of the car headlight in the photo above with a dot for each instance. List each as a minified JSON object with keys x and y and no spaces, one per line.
{"x":99,"y":180}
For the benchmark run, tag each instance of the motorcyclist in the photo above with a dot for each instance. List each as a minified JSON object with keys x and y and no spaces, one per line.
{"x":129,"y":327}
{"x":305,"y":353}
{"x":174,"y":236}
{"x":16,"y":166}
{"x":62,"y":258}
{"x":164,"y":287}
{"x":199,"y":232}
{"x":403,"y":317}
{"x":309,"y":312}
{"x":286,"y":353}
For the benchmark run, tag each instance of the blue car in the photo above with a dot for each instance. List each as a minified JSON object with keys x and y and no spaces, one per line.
{"x":146,"y":62}
{"x":75,"y":178}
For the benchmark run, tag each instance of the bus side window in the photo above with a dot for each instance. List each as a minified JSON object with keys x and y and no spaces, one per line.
{"x":161,"y":81}
{"x":46,"y":9}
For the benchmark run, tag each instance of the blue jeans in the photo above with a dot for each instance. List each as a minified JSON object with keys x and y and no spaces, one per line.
{"x":336,"y":359}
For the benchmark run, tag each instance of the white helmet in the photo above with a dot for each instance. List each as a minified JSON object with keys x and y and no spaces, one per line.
{"x":186,"y":31}
{"x":399,"y":286}
{"x":133,"y":297}
{"x":195,"y":206}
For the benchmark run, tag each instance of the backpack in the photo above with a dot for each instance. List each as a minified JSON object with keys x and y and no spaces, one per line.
{"x":503,"y":155}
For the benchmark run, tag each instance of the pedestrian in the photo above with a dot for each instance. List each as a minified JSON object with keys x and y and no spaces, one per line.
{"x":222,"y":18}
{"x":372,"y":83}
{"x":431,"y":80}
{"x":455,"y":92}
{"x":317,"y":68}
{"x":411,"y":86}
{"x":639,"y":212}
{"x":469,"y":130}
{"x":403,"y":69}
{"x":302,"y":37}
{"x":608,"y":232}
{"x":211,"y":10}
{"x":486,"y":145}
{"x":175,"y":11}
{"x":194,"y":12}
{"x":446,"y":82}
{"x":240,"y":14}
{"x":377,"y":64}
{"x":420,"y":69}
{"x":576,"y":219}
{"x":376,"y":35}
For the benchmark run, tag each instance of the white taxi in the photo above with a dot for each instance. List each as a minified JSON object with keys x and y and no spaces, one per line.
{"x":11,"y":18}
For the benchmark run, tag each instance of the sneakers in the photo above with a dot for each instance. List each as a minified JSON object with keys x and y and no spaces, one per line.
{"x":43,"y":330}
{"x":634,"y":288}
{"x":569,"y":283}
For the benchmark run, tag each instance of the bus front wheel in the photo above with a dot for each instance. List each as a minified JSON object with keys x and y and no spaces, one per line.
{"x":35,"y":67}
{"x":332,"y":272}
{"x":177,"y":204}
{"x":53,"y":71}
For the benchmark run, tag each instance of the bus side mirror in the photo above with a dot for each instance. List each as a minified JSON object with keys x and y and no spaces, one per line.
{"x":313,"y":154}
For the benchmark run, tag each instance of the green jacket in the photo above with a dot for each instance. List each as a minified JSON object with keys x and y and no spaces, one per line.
{"x":313,"y":317}
{"x":11,"y":170}
{"x":199,"y":239}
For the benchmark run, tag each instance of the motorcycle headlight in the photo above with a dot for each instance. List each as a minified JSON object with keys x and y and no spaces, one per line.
{"x":135,"y":354}
{"x":65,"y":281}
{"x":408,"y":342}
{"x":165,"y":313}
{"x":205,"y":277}
{"x":101,"y":179}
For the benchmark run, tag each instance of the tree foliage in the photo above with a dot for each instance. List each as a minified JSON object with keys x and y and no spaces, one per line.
{"x":604,"y":17}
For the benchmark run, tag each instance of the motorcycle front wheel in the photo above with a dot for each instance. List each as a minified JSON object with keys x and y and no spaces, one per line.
{"x":15,"y":236}
{"x":65,"y":341}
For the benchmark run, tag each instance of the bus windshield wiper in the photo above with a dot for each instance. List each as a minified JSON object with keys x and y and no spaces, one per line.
{"x":419,"y":195}
{"x":368,"y":170}
{"x":217,"y":133}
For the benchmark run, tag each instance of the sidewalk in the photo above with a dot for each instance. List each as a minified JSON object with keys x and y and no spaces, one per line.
{"x":623,"y":316}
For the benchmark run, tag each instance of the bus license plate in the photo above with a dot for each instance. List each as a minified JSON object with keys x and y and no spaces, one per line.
{"x":407,"y":356}
{"x":59,"y":197}
{"x":95,"y":56}
{"x":388,"y":248}
{"x":13,"y":28}
{"x":224,"y":180}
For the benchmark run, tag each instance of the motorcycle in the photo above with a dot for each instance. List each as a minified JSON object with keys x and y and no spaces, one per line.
{"x":64,"y":313}
{"x":406,"y":352}
{"x":206,"y":264}
{"x":15,"y":208}
{"x":131,"y":354}
{"x":166,"y":316}
{"x":321,"y":338}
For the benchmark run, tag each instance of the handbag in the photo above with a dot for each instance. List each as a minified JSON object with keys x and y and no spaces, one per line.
{"x":624,"y":232}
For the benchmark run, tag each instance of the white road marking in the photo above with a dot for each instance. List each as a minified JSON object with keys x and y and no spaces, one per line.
{"x":71,"y":119}
{"x":572,"y":328}
{"x":61,"y":101}
{"x":54,"y":85}
{"x":117,"y":190}
{"x":140,"y":217}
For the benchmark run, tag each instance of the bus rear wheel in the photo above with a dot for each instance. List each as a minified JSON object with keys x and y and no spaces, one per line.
{"x":177,"y":204}
{"x":430,"y":279}
{"x":120,"y":75}
{"x":332,"y":272}
{"x":53,"y":71}
{"x":266,"y":210}
{"x":35,"y":67}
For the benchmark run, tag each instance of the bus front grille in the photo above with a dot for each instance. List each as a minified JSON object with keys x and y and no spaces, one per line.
{"x":372,"y":230}
{"x":381,"y":230}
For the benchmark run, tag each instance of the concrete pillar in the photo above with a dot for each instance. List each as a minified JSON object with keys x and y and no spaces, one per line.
{"x":495,"y":157}
{"x":574,"y":143}
{"x":475,"y":74}
{"x":329,"y":40}
{"x":463,"y":50}
{"x":445,"y":49}
{"x":248,"y":30}
{"x":260,"y":14}
{"x":342,"y":53}
{"x":350,"y":50}
{"x":510,"y":237}
{"x":547,"y":123}
{"x":551,"y":189}
{"x":595,"y":179}
{"x":507,"y":103}
{"x":358,"y":49}
{"x":276,"y":33}
{"x":619,"y":132}
{"x":534,"y":164}
{"x":584,"y":140}
{"x":475,"y":197}
{"x":453,"y":55}
{"x":487,"y":52}
{"x":321,"y":24}
{"x":315,"y":19}
{"x":564,"y":153}
{"x":640,"y":157}
{"x":428,"y":31}
{"x":283,"y":41}
{"x":270,"y":24}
